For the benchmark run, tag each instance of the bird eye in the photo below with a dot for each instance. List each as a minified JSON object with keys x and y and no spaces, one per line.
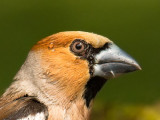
{"x":78,"y":47}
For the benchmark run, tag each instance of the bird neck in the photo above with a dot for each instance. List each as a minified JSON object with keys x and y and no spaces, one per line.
{"x":60,"y":107}
{"x":76,"y":110}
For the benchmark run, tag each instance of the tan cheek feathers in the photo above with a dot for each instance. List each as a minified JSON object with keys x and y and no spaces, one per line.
{"x":73,"y":78}
{"x":55,"y":62}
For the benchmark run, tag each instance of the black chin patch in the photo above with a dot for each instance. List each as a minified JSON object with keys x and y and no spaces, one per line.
{"x":92,"y":87}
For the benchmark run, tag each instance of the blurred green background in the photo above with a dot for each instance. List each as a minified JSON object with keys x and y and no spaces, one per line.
{"x":134,"y":25}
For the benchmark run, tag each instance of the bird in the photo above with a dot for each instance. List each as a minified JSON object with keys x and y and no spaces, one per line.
{"x":61,"y":76}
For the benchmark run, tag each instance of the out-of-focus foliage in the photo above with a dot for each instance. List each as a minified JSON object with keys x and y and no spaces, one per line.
{"x":126,"y":112}
{"x":134,"y":25}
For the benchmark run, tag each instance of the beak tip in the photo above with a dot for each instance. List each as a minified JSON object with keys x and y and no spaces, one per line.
{"x":136,"y":66}
{"x":139,"y":67}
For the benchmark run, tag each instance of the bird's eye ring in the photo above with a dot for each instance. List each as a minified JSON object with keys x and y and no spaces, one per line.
{"x":78,"y":46}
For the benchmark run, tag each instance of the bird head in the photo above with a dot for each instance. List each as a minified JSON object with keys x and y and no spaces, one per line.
{"x":76,"y":64}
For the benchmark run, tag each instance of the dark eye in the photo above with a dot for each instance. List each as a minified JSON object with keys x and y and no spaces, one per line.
{"x":78,"y":47}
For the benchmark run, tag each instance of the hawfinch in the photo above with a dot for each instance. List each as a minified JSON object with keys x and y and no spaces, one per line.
{"x":62,"y":75}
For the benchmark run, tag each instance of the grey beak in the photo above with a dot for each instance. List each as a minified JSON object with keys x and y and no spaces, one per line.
{"x":112,"y":62}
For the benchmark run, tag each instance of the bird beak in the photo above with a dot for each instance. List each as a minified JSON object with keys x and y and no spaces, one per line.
{"x":112,"y":62}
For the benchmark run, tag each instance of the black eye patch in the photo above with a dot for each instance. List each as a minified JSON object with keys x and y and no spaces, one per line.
{"x":97,"y":50}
